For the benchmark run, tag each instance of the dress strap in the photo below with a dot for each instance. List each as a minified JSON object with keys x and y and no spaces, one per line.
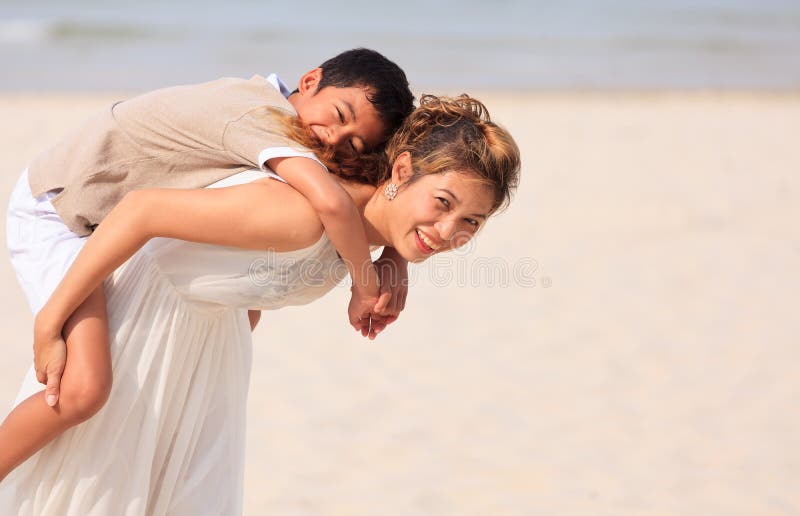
{"x":246,"y":176}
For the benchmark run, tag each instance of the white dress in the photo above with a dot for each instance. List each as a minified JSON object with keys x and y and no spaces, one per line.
{"x":170,"y":439}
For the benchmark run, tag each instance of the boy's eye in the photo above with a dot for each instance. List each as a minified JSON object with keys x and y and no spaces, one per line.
{"x":341,"y":115}
{"x":354,"y":148}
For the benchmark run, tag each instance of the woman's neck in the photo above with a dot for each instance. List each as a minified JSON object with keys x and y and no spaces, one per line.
{"x":368,"y":202}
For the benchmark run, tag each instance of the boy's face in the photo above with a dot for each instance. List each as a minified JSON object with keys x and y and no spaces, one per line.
{"x":340,"y":117}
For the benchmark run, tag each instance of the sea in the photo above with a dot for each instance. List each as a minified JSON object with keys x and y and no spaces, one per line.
{"x":519,"y":45}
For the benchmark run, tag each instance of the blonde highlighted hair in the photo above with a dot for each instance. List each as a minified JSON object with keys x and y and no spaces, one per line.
{"x":457,"y":134}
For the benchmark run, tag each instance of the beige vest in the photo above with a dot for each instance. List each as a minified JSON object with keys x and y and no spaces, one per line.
{"x":180,"y":137}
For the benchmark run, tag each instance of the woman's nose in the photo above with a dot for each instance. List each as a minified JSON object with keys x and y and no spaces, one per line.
{"x":446,"y":229}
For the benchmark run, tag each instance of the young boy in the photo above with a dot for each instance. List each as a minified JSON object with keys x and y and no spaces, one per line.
{"x":187,"y":137}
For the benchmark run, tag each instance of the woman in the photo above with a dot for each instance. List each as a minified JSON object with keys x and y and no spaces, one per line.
{"x":170,"y":440}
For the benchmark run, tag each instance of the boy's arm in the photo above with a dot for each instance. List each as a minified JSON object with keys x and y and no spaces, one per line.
{"x":344,"y":228}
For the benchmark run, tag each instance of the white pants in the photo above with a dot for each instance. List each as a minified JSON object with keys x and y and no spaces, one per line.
{"x":41,"y":246}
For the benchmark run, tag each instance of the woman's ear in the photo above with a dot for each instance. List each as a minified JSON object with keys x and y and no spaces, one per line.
{"x":402,"y":169}
{"x":309,"y":82}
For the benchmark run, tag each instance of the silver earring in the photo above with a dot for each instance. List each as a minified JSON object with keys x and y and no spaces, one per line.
{"x":390,"y":191}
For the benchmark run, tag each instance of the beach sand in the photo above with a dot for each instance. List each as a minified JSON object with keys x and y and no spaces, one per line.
{"x":620,"y":342}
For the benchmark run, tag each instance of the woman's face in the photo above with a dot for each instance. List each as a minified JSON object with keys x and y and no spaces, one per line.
{"x":436,"y":213}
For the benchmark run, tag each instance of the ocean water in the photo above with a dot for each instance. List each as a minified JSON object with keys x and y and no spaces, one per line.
{"x":48,"y":45}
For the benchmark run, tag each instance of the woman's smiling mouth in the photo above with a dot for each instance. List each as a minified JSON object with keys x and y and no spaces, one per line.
{"x":426,"y":243}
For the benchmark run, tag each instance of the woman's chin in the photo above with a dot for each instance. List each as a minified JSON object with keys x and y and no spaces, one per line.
{"x":411,"y":254}
{"x":413,"y":250}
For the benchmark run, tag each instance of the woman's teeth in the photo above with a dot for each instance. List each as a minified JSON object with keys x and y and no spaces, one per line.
{"x":426,"y":240}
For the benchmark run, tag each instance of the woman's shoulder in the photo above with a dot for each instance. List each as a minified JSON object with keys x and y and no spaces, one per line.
{"x":359,"y":192}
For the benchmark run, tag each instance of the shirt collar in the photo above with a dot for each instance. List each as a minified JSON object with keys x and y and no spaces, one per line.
{"x":279,"y":84}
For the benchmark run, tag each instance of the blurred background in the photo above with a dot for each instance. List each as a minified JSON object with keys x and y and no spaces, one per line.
{"x":621,"y":341}
{"x":48,"y":45}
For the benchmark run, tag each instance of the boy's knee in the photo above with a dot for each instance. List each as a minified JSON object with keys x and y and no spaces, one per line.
{"x":80,"y":399}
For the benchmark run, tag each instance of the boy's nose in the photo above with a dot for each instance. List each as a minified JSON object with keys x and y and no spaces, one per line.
{"x":334,"y":136}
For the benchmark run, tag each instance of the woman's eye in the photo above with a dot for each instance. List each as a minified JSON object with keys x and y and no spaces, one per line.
{"x":472,"y":222}
{"x":444,"y":201}
{"x":341,"y":115}
{"x":354,"y":148}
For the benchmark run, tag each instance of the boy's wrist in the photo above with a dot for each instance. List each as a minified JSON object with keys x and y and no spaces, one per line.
{"x":366,"y":283}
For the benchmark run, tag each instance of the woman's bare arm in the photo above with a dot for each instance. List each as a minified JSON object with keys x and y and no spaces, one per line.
{"x":260,"y":215}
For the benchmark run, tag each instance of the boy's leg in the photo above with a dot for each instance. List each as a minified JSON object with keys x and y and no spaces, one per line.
{"x":41,"y":249}
{"x":85,"y":386}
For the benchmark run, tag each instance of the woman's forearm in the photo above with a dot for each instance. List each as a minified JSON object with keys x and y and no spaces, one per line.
{"x":116,"y":239}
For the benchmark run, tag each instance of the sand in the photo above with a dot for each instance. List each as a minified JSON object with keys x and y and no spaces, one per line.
{"x":620,"y":342}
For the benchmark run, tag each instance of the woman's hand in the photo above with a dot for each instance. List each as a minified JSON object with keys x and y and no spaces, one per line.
{"x":366,"y":304}
{"x":49,"y":356}
{"x":393,"y":276}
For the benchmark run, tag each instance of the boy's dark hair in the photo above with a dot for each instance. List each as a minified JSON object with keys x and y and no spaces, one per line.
{"x":362,"y":67}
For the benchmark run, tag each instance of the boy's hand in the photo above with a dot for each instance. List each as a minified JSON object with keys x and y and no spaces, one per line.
{"x":363,"y":315}
{"x":365,"y":304}
{"x":49,"y":359}
{"x":393,"y":275}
